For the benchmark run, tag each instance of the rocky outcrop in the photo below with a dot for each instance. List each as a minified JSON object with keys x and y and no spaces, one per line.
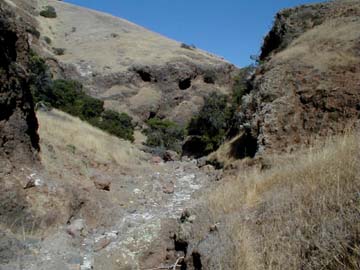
{"x":309,"y":82}
{"x":19,"y":141}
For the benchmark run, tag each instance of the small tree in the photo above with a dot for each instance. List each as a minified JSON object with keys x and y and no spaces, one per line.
{"x":241,"y":86}
{"x":212,"y":122}
{"x":164,"y":134}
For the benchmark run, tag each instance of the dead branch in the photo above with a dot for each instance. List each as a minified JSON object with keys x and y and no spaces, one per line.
{"x":171,"y":267}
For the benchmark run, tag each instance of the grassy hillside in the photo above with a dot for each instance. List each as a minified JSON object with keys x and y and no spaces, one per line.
{"x":302,"y":213}
{"x":69,"y":134}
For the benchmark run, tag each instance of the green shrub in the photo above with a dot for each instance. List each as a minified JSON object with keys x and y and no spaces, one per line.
{"x":241,"y":86}
{"x":33,"y":31}
{"x":118,"y":124}
{"x":69,"y":96}
{"x":210,"y":77}
{"x":164,"y":134}
{"x":40,"y":79}
{"x":48,"y":12}
{"x":189,"y":47}
{"x":211,"y":124}
{"x":47,"y":40}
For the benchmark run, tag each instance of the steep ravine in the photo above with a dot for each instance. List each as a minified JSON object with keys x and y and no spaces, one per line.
{"x":104,"y":204}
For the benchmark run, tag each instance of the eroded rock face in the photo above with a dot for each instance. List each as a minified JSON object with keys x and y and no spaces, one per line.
{"x":18,"y":124}
{"x":309,"y":85}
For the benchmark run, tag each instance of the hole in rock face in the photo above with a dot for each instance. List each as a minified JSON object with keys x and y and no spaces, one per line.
{"x":194,"y":147}
{"x":209,"y":80}
{"x":181,"y":245}
{"x":197,"y":261}
{"x":152,"y":115}
{"x":185,"y":84}
{"x":245,"y":146}
{"x":145,"y":76}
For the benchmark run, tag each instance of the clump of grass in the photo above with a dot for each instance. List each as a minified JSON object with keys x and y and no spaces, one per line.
{"x":187,"y":46}
{"x":33,"y":31}
{"x":47,"y":40}
{"x":59,"y":51}
{"x":303,"y":213}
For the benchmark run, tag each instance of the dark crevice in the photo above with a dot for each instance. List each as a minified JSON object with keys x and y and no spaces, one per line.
{"x":197,"y":261}
{"x":209,"y":80}
{"x":185,"y":84}
{"x":181,"y":245}
{"x":183,"y":265}
{"x":245,"y":146}
{"x":151,"y":115}
{"x":194,"y":147}
{"x":144,"y":75}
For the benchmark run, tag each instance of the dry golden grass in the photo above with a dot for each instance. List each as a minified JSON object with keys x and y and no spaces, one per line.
{"x":70,"y":134}
{"x":303,"y":213}
{"x":107,"y":41}
{"x":325,"y":46}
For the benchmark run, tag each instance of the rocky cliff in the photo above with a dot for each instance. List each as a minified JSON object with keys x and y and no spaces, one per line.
{"x":18,"y":124}
{"x":308,"y":82}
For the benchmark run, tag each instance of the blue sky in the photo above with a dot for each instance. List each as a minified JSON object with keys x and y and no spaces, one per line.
{"x":233,"y":29}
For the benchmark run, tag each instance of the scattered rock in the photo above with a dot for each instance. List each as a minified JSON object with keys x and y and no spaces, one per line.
{"x":32,"y":181}
{"x":168,"y":188}
{"x":213,"y":228}
{"x":102,"y":243}
{"x":102,"y":184}
{"x":208,"y":169}
{"x":185,"y":215}
{"x":156,"y":160}
{"x":170,"y":155}
{"x":76,"y":227}
{"x":185,"y":159}
{"x":201,"y":162}
{"x":75,"y":267}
